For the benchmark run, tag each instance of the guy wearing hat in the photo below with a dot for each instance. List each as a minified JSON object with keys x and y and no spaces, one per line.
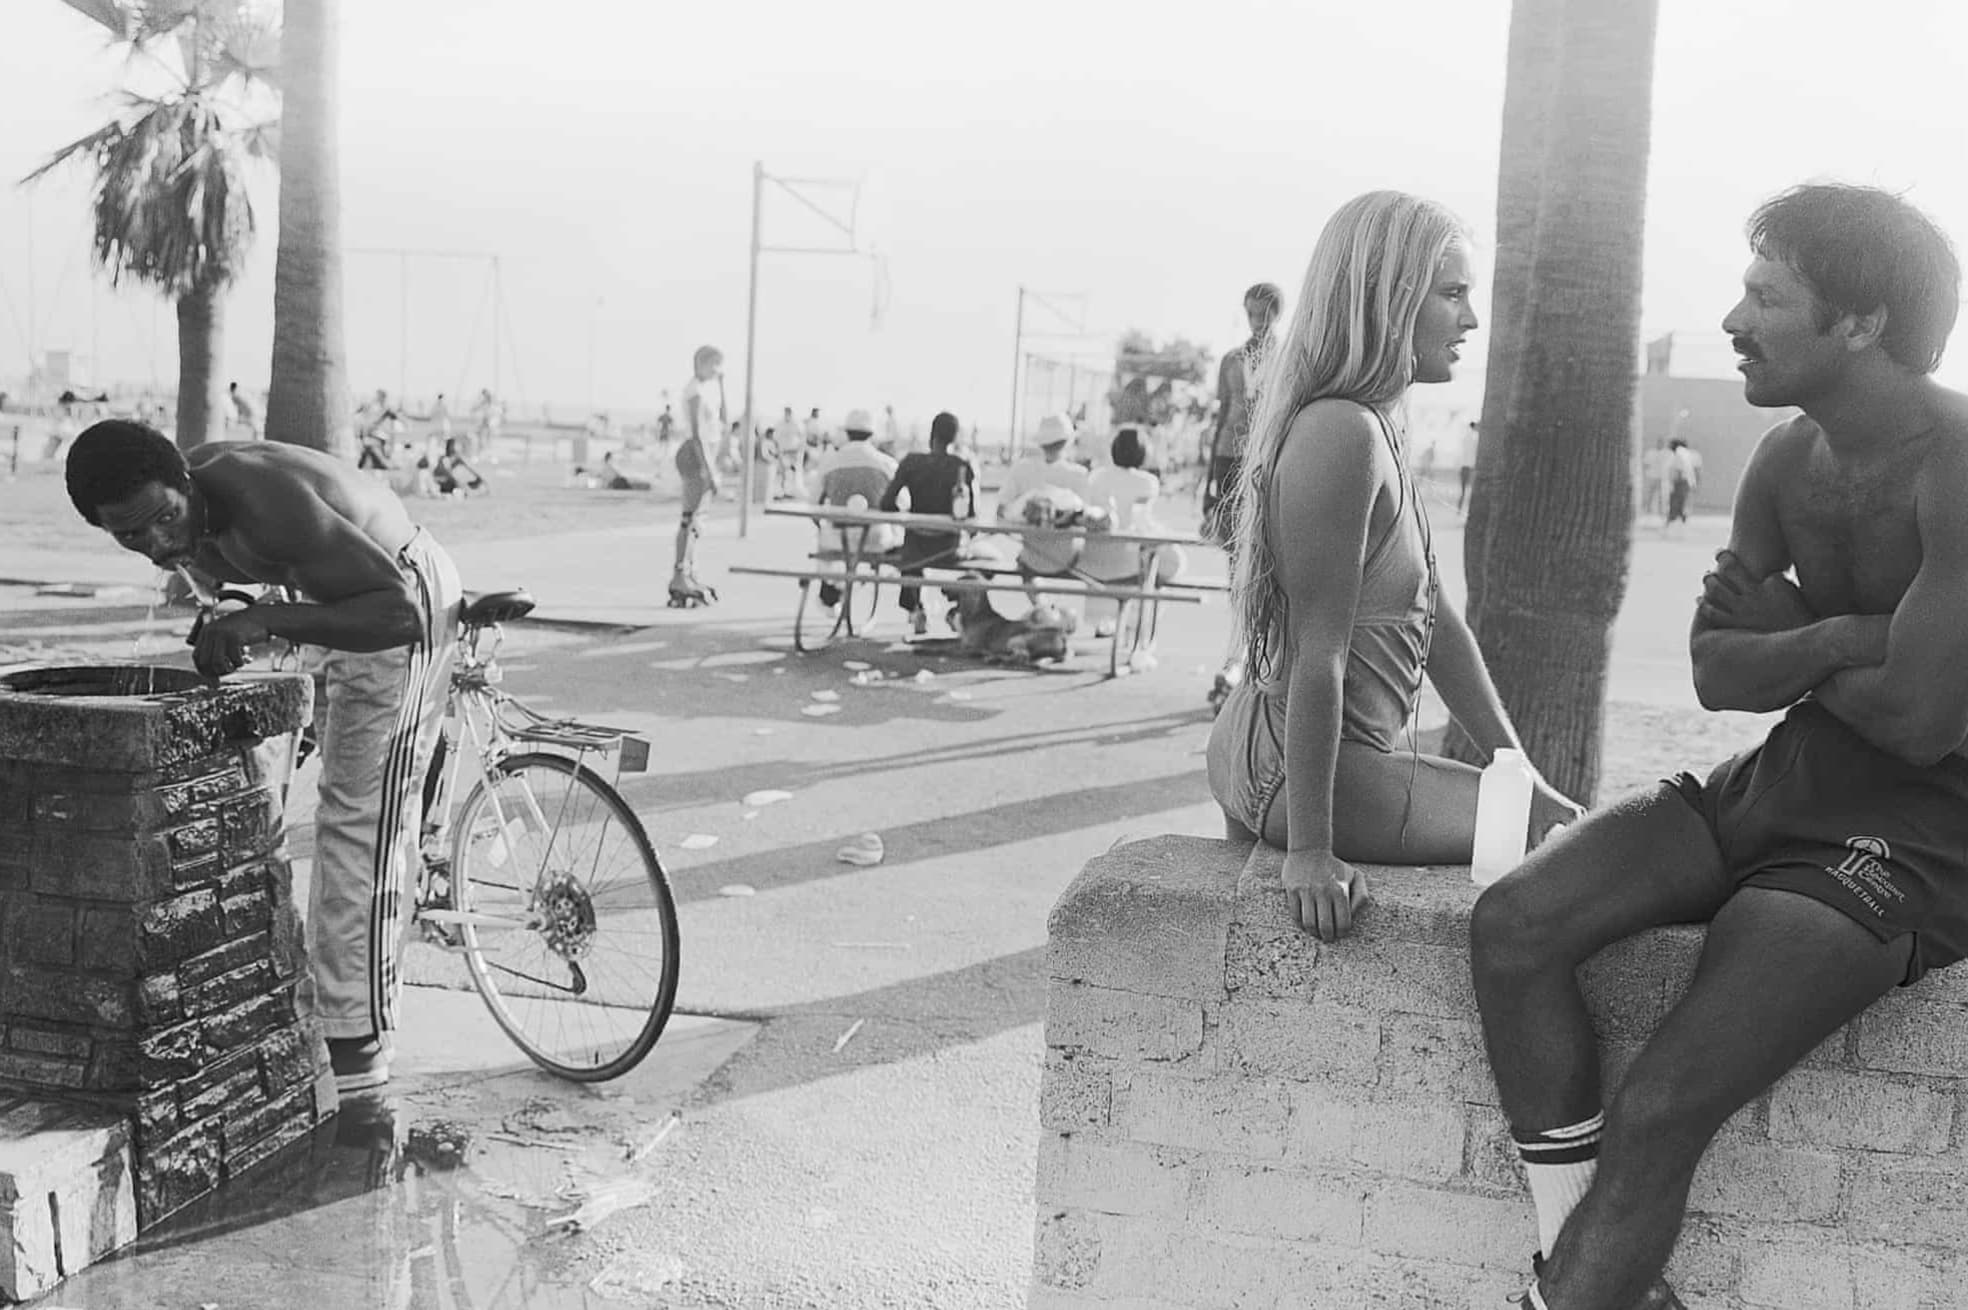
{"x":1048,"y":469}
{"x":856,"y":469}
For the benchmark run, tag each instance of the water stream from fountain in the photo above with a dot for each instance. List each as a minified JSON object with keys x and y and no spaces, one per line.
{"x":150,"y":621}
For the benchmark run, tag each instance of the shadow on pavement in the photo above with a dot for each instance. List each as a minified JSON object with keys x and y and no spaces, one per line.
{"x":654,"y":793}
{"x":955,"y":834}
{"x":902,"y":1021}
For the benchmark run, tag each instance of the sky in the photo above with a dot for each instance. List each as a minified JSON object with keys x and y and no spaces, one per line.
{"x":1133,"y":165}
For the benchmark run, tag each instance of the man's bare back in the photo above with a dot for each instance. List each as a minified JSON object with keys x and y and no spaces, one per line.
{"x":294,"y":517}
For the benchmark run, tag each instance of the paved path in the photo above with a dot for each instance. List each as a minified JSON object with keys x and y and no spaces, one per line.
{"x":859,"y":1064}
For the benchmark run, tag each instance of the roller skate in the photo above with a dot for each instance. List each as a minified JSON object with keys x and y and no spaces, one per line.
{"x":686,"y":592}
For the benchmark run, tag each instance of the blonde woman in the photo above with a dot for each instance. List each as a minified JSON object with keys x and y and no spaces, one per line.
{"x":1337,"y":606}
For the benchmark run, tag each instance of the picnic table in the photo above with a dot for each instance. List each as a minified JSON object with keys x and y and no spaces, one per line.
{"x":861,"y":571}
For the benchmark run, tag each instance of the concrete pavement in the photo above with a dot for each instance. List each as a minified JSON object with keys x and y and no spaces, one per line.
{"x":857,"y":1049}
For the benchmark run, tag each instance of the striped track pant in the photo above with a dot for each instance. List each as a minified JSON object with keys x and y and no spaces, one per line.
{"x":382,"y":713}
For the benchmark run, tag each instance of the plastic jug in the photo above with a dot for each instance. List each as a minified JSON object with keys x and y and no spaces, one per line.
{"x":1503,"y":817}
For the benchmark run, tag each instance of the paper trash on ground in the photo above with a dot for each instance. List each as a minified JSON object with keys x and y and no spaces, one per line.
{"x":864,"y":850}
{"x":600,"y":1200}
{"x":635,"y":1276}
{"x":759,"y":799}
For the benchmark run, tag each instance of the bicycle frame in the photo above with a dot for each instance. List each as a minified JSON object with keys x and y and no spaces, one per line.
{"x":482,"y":724}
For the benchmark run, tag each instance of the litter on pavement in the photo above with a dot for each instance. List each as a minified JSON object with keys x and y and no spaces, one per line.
{"x":758,"y":799}
{"x":698,"y":841}
{"x":847,"y":1036}
{"x":865,"y":849}
{"x":737,"y":889}
{"x":635,"y":1151}
{"x":634,"y":1276}
{"x":820,"y":711}
{"x":599,"y":1201}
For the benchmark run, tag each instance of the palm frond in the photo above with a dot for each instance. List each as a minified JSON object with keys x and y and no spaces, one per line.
{"x":171,"y":203}
{"x":109,"y":13}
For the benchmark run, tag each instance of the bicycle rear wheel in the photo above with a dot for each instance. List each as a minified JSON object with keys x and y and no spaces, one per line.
{"x":570,"y":931}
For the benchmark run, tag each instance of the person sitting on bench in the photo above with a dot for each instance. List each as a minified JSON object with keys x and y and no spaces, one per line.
{"x":856,"y":476}
{"x":1050,"y":469}
{"x":936,"y":481}
{"x":1128,"y":493}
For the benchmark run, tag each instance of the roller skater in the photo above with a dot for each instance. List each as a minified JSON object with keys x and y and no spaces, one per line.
{"x":696,"y":474}
{"x":687,"y":591}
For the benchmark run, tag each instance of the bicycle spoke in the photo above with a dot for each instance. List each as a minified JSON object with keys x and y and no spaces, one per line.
{"x":584,"y":973}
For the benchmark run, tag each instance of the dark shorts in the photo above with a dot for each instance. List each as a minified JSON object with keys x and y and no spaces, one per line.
{"x":1818,"y":810}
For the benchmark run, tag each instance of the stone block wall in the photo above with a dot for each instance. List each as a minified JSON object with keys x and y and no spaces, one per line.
{"x":150,"y":950}
{"x":1237,"y":1115}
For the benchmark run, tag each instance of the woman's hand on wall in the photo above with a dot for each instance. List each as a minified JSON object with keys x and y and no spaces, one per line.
{"x":1323,"y":893}
{"x":1550,"y":811}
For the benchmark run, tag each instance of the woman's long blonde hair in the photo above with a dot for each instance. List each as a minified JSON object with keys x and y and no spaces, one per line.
{"x":1351,"y":338}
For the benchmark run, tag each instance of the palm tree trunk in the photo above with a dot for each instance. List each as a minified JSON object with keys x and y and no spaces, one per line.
{"x":1530,"y":84}
{"x":1559,"y":527}
{"x":308,"y":401}
{"x":201,"y":348}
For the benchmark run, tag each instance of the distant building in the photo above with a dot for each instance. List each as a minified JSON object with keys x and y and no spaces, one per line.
{"x":1689,"y":388}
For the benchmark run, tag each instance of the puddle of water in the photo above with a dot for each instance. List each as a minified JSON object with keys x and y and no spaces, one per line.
{"x":380,"y":1208}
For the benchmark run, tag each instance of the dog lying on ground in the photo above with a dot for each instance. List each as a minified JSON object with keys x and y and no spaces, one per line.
{"x":1040,"y":635}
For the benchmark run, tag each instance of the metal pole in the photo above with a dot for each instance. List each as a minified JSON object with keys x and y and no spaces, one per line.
{"x":33,"y":391}
{"x":751,"y":343}
{"x":403,"y":330}
{"x":1017,"y":357}
{"x":498,"y":303}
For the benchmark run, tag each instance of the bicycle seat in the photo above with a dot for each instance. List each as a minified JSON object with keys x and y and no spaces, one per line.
{"x":482,"y":608}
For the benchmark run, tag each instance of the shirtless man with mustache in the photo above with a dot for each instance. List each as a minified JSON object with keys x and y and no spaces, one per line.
{"x":1828,"y":862}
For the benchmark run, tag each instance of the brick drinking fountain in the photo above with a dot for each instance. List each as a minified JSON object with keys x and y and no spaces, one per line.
{"x":154,"y":1037}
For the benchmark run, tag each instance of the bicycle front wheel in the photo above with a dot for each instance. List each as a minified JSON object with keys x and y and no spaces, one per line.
{"x":569,"y":927}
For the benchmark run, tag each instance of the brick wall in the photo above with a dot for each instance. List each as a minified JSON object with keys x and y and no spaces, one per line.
{"x":1235,"y":1115}
{"x":150,"y":950}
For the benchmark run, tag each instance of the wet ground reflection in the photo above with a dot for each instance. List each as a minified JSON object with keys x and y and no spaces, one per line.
{"x":386,"y":1208}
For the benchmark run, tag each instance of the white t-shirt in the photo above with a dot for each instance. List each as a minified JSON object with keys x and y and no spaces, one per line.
{"x":859,"y":472}
{"x":1033,"y":472}
{"x":1128,"y":496}
{"x":698,"y":402}
{"x":1028,"y":475}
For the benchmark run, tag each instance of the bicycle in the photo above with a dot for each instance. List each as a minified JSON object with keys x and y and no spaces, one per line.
{"x":542,"y":876}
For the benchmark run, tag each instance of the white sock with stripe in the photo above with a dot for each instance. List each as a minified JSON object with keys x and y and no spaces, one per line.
{"x":1559,"y":1164}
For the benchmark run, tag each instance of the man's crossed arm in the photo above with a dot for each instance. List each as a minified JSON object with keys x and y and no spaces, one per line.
{"x":1899,"y":680}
